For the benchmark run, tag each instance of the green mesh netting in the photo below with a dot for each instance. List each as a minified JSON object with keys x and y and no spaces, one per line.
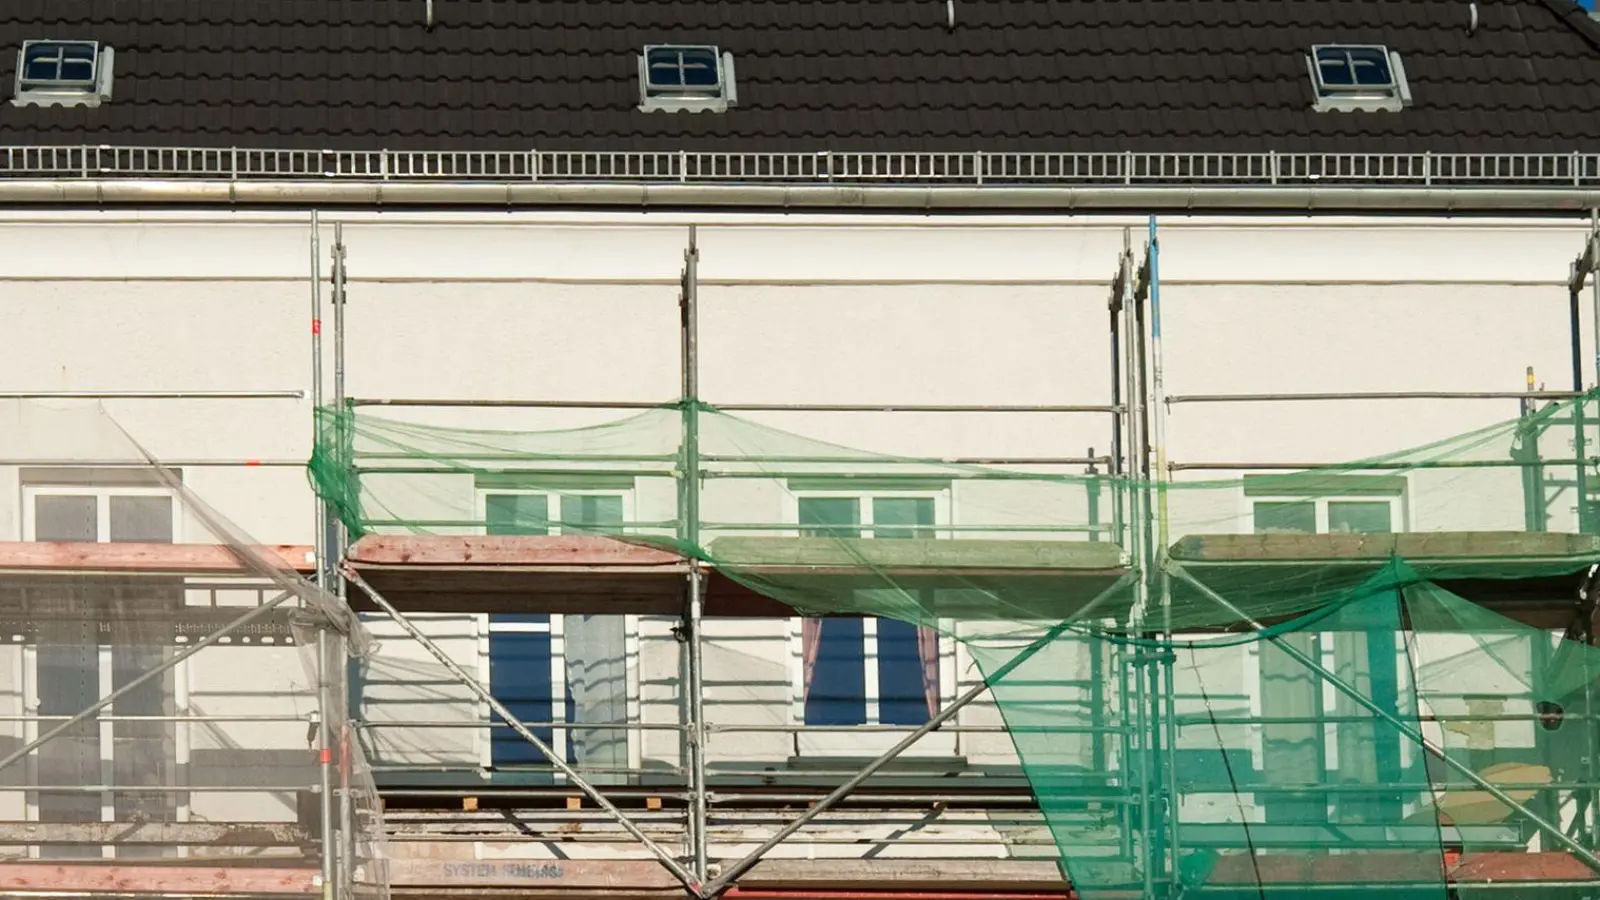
{"x":1350,"y":678}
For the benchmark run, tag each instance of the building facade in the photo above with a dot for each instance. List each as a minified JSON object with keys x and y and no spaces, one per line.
{"x":1365,"y":219}
{"x":793,"y":310}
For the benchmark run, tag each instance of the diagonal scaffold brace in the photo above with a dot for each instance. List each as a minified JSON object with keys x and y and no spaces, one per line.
{"x":470,"y":683}
{"x":1414,"y":735}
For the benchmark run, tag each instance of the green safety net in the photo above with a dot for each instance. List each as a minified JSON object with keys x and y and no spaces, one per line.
{"x":1353,"y":677}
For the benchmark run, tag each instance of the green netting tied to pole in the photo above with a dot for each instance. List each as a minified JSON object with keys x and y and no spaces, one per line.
{"x":1324,"y":681}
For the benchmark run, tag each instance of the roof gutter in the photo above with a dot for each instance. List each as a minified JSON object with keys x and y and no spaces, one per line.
{"x":817,"y":197}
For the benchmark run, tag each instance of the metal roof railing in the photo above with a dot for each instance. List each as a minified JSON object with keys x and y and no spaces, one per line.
{"x":1507,"y":170}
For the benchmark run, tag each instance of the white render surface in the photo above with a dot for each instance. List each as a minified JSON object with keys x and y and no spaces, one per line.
{"x":793,"y":310}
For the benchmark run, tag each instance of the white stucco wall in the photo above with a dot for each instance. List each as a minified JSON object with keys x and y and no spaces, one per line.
{"x":792,"y":311}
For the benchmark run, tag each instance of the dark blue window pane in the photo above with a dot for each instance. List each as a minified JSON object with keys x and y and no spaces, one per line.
{"x":77,"y":70}
{"x":699,"y":68}
{"x":1354,"y":67}
{"x":59,"y":62}
{"x":682,"y":67}
{"x":1333,"y":68}
{"x":902,"y":694}
{"x":838,"y":694}
{"x":519,"y":677}
{"x":37,"y":69}
{"x":1371,"y":67}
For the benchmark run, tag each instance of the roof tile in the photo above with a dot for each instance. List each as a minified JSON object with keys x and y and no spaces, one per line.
{"x":1108,"y":75}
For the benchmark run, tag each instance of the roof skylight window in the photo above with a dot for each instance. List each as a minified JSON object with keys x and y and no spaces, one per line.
{"x":1357,"y":77}
{"x":680,"y":77}
{"x":63,"y":73}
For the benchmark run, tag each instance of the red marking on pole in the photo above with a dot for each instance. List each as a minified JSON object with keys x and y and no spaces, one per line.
{"x":327,"y":755}
{"x":252,"y":462}
{"x":316,"y":326}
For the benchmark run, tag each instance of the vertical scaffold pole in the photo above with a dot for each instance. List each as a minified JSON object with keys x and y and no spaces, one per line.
{"x":1118,"y":428}
{"x":321,"y":548}
{"x":339,"y":538}
{"x":1132,"y":398}
{"x":1168,"y":683}
{"x":1586,"y":520}
{"x":1149,"y":673}
{"x":1138,"y":532}
{"x":325,"y":699}
{"x":1121,"y":506}
{"x":1128,"y":671}
{"x":324,"y":767}
{"x":689,"y":535}
{"x":1594,"y":265}
{"x":344,"y":431}
{"x":1591,"y":812}
{"x":1581,"y":269}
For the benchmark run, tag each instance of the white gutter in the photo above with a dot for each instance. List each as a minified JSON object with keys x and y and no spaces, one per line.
{"x":669,"y":195}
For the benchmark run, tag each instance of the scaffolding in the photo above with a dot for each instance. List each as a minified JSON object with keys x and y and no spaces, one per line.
{"x":1097,"y":593}
{"x":1143,"y":577}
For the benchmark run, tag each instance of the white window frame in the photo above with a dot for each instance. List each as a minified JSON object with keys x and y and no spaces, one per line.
{"x":30,"y":657}
{"x":1396,"y":502}
{"x":942,"y":507}
{"x":555,"y":627}
{"x":871,"y":743}
{"x":91,"y":93}
{"x":672,"y":98}
{"x":1392,"y":97}
{"x":481,"y":501}
{"x":1328,"y":696}
{"x":103,"y":495}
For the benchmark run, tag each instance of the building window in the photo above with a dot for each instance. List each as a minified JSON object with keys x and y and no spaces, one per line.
{"x":1317,"y":503}
{"x":1357,"y":77}
{"x":566,"y":668}
{"x":98,"y":514}
{"x":869,"y":671}
{"x":674,"y":78}
{"x":63,"y":73}
{"x":1377,"y":515}
{"x":91,"y":650}
{"x":1346,"y":750}
{"x":540,"y":512}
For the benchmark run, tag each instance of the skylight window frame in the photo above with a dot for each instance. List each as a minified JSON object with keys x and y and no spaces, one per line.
{"x":655,"y":96}
{"x":91,"y":92}
{"x":1392,"y":96}
{"x":61,"y":60}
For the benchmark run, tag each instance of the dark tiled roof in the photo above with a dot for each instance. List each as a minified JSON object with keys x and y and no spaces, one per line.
{"x":1063,"y":75}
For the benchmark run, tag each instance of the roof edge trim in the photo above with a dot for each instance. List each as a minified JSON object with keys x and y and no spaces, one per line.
{"x":1577,"y":18}
{"x":841,"y":198}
